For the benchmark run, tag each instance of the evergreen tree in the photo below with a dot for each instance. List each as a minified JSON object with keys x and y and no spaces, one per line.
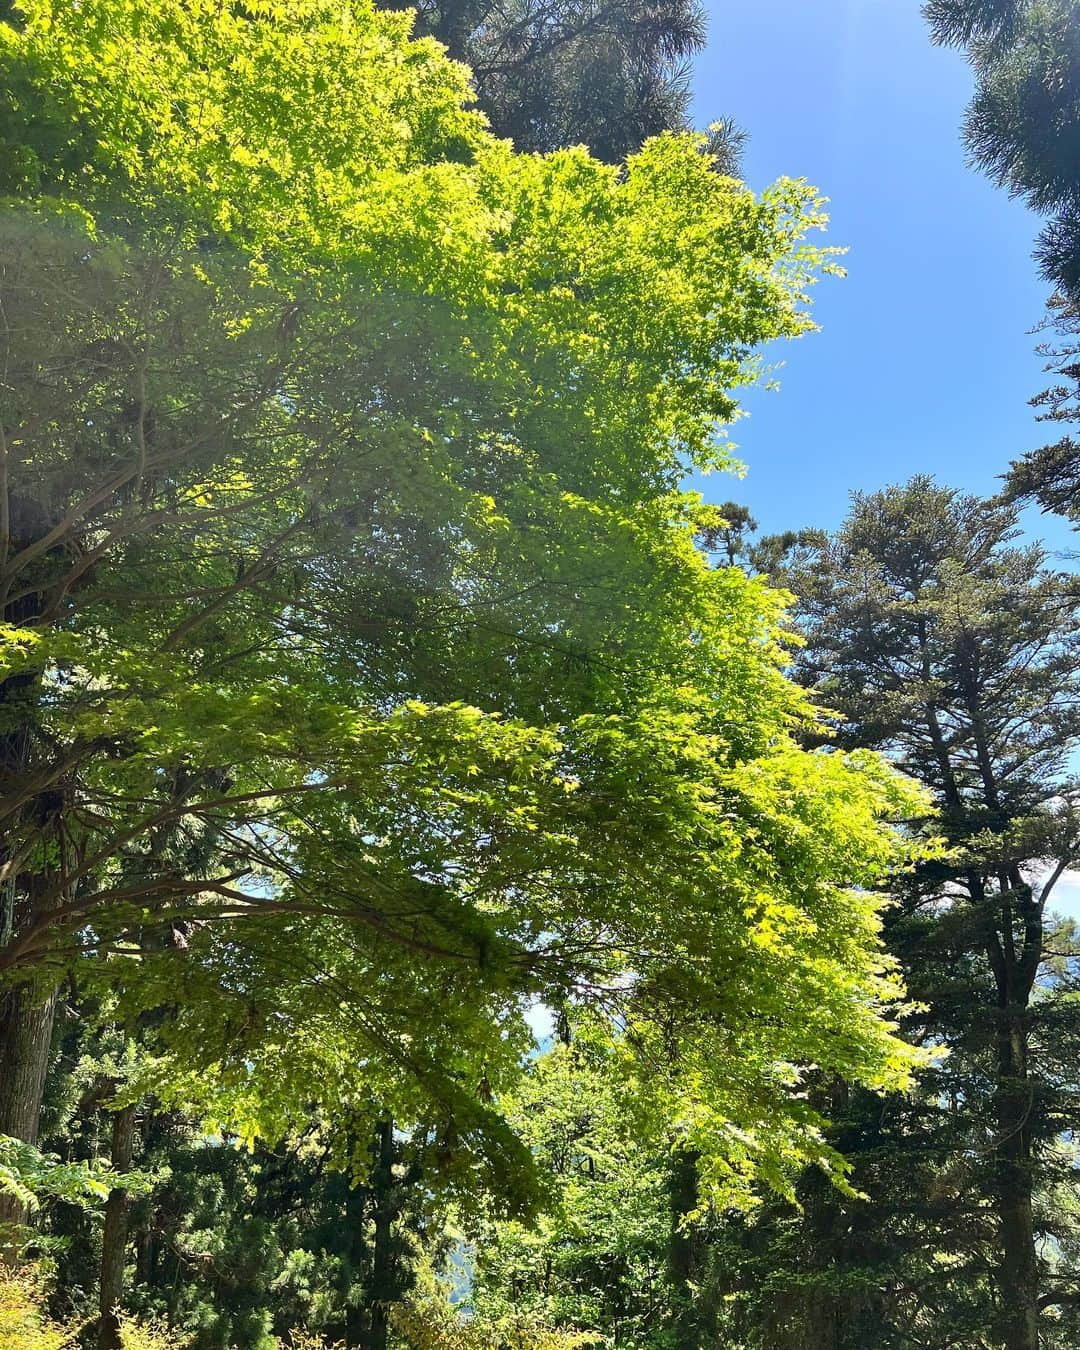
{"x":1023,"y":123}
{"x":942,"y":641}
{"x":1051,"y":474}
{"x":551,"y":73}
{"x":232,"y":1248}
{"x":1023,"y":128}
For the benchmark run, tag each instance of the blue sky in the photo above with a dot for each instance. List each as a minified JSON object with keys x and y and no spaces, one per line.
{"x":925,"y":361}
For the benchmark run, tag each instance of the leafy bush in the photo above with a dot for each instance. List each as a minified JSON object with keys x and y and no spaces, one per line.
{"x":23,"y":1324}
{"x":430,"y":1324}
{"x":146,"y":1336}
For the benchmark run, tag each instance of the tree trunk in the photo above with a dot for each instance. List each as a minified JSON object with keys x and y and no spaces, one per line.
{"x":115,"y":1234}
{"x":683,"y":1248}
{"x":26,"y":1021}
{"x":145,"y":1257}
{"x":27,"y":1011}
{"x":384,"y":1285}
{"x":356,"y":1213}
{"x":1019,"y":1270}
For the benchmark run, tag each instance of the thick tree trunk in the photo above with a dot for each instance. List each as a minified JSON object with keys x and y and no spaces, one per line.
{"x":1019,"y":1270}
{"x":115,"y":1235}
{"x":26,"y":1021}
{"x":27,"y":1011}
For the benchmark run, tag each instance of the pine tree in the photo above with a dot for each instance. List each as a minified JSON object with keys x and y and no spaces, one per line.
{"x":1023,"y":122}
{"x":232,"y":1247}
{"x":551,"y":73}
{"x":944,"y":642}
{"x":1050,"y":475}
{"x":1023,"y":129}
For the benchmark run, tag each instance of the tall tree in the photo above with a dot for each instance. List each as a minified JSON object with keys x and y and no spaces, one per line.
{"x":944,"y":642}
{"x":170,"y":334}
{"x":1023,"y":128}
{"x":360,"y":550}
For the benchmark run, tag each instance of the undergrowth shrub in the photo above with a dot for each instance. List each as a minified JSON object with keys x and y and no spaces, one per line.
{"x":25,"y":1325}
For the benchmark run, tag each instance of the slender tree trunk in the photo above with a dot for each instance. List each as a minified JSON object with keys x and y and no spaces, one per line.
{"x":683,"y":1251}
{"x":1019,"y":1270}
{"x":384,"y":1285}
{"x":144,"y":1256}
{"x":115,"y":1235}
{"x":356,"y":1213}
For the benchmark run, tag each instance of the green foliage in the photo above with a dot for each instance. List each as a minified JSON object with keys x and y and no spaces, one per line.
{"x":139,"y":1336}
{"x":361,"y":681}
{"x":430,"y":1324}
{"x":29,"y":1176}
{"x":233,"y":1248}
{"x":23,"y":1324}
{"x":1050,"y":475}
{"x":1023,"y":128}
{"x":264,"y":1017}
{"x":350,"y":595}
{"x":597,"y":1260}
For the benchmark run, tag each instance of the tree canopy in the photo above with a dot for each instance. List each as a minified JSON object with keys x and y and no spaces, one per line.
{"x":373,"y":694}
{"x":350,"y":594}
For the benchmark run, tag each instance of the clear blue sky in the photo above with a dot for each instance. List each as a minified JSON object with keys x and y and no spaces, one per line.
{"x":925,"y":361}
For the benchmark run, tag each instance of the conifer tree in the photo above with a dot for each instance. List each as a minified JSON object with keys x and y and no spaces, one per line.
{"x":943,"y":641}
{"x":1050,"y":475}
{"x":1023,"y":129}
{"x":551,"y":73}
{"x":1023,"y":122}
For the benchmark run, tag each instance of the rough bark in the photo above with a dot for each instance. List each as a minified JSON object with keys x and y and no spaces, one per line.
{"x":26,"y":1020}
{"x":114,"y":1238}
{"x":1019,"y":1271}
{"x":26,"y":1010}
